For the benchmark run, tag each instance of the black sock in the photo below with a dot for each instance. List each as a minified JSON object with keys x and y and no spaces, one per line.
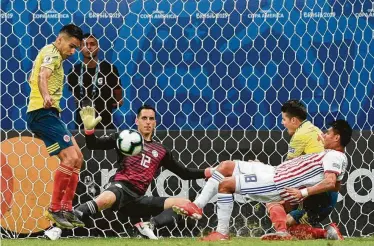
{"x":86,"y":209}
{"x":165,"y":218}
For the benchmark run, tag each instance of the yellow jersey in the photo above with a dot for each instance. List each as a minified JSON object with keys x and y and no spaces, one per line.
{"x":306,"y":140}
{"x":51,"y":58}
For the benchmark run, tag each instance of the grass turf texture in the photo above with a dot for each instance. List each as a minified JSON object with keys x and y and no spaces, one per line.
{"x":368,"y":241}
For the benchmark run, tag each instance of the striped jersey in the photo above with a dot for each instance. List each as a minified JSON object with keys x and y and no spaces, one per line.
{"x":138,"y":171}
{"x":308,"y":170}
{"x":306,"y":140}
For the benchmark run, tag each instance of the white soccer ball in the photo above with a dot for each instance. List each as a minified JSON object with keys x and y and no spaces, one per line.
{"x":130,"y":142}
{"x":53,"y":234}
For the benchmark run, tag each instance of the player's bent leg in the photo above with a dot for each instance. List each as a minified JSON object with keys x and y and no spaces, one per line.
{"x":277,"y":216}
{"x":224,"y":169}
{"x":225,"y":204}
{"x":103,"y":201}
{"x":279,"y":224}
{"x":46,"y":125}
{"x":67,"y":200}
{"x":300,"y":221}
{"x":160,"y":206}
{"x":290,"y":221}
{"x":62,"y":177}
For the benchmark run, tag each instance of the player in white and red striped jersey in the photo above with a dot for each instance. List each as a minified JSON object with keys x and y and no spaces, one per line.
{"x":292,"y":181}
{"x":308,"y":170}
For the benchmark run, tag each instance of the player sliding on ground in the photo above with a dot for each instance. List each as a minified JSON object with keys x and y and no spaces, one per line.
{"x":130,"y":182}
{"x":292,"y":181}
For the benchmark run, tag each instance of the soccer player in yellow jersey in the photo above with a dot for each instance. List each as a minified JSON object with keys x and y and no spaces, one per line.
{"x":43,"y":119}
{"x":306,"y":138}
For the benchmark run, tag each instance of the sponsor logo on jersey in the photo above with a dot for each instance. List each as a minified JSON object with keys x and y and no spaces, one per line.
{"x":291,"y":150}
{"x":154,"y":153}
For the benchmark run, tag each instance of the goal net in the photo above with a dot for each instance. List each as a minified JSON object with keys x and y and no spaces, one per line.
{"x":217,"y":73}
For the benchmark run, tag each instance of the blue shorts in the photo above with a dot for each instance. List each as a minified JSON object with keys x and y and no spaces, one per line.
{"x":47,"y":125}
{"x":316,"y":210}
{"x":312,"y":218}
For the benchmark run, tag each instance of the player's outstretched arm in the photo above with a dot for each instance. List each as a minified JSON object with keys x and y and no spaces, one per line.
{"x":90,"y":122}
{"x":183,"y":172}
{"x":327,"y":184}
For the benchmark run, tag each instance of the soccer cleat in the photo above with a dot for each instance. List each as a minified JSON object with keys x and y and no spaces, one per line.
{"x":215,"y":236}
{"x":333,"y":232}
{"x":280,"y":235}
{"x":58,"y":218}
{"x":73,"y":219}
{"x":146,"y":229}
{"x":189,"y":209}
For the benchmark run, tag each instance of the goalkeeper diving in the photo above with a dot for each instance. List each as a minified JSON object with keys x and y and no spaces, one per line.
{"x":127,"y":187}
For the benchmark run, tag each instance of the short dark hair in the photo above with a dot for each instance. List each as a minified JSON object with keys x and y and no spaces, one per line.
{"x":89,"y":35}
{"x":73,"y":31}
{"x":342,"y":128}
{"x":145,"y":106}
{"x":294,"y":108}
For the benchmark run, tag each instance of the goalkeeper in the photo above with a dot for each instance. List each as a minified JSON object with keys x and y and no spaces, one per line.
{"x":128,"y":185}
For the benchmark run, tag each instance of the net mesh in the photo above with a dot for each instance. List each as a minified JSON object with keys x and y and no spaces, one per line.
{"x":217,"y":73}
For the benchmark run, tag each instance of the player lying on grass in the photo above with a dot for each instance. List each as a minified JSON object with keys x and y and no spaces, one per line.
{"x":130,"y":182}
{"x":264,"y":183}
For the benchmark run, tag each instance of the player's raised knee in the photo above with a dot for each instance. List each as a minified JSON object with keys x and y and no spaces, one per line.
{"x":226,"y":168}
{"x":69,"y":157}
{"x":227,"y":185}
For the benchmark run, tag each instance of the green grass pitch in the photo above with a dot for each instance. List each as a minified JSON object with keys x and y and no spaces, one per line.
{"x":368,"y":241}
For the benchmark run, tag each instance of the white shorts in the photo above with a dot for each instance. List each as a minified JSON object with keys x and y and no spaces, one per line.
{"x":255,"y":181}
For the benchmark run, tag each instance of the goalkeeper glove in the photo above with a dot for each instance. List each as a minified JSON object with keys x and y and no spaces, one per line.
{"x":88,"y":119}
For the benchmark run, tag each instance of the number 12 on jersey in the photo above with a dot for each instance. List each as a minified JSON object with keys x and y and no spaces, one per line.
{"x":145,"y":161}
